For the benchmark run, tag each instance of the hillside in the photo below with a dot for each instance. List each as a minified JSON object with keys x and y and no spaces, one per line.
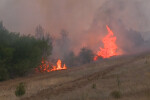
{"x":130,"y":75}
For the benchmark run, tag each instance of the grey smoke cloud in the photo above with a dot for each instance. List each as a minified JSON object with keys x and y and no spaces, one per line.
{"x":54,"y":15}
{"x":85,"y":20}
{"x":128,"y":19}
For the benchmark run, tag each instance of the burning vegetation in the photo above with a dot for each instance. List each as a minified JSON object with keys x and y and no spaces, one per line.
{"x":46,"y":66}
{"x":85,"y":55}
{"x":110,"y":47}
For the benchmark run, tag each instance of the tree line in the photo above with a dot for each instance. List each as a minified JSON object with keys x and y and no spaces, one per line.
{"x":20,"y":53}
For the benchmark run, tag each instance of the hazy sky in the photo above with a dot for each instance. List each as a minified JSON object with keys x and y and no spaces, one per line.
{"x":24,"y":15}
{"x":85,"y":20}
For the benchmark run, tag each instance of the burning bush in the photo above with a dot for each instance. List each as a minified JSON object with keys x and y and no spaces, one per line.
{"x":110,"y":46}
{"x":47,"y":66}
{"x":19,"y":54}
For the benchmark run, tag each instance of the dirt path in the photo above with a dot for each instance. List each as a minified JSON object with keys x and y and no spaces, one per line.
{"x":75,"y":84}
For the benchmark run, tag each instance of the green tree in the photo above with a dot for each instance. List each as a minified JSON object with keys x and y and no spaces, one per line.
{"x":19,"y":54}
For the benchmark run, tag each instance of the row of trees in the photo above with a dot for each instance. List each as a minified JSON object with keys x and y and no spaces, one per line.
{"x":19,"y":54}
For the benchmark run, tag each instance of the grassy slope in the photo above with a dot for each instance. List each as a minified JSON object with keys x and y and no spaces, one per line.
{"x":133,"y":74}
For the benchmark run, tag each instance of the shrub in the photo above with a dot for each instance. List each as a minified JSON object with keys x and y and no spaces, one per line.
{"x":94,"y":86}
{"x":20,"y":90}
{"x":116,"y":94}
{"x":3,"y":74}
{"x":85,"y":56}
{"x":118,"y":82}
{"x":146,"y":61}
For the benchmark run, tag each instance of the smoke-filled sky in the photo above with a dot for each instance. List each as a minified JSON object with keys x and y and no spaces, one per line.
{"x":72,"y":15}
{"x":85,"y":20}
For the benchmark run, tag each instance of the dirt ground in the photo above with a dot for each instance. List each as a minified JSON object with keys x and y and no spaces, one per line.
{"x":129,"y":75}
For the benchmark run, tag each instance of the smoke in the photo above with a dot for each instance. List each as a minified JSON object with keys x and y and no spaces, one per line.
{"x":128,"y":20}
{"x":85,"y":21}
{"x":61,"y":45}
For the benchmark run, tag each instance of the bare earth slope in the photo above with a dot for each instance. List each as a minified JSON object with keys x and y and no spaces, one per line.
{"x":95,"y":81}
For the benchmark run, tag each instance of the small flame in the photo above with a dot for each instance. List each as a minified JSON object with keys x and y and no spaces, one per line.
{"x":59,"y":67}
{"x":48,"y":67}
{"x":110,"y":46}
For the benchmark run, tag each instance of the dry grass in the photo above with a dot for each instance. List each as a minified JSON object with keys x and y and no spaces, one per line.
{"x":134,"y":78}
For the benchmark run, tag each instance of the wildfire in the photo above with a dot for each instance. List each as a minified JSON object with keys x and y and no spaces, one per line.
{"x":48,"y":67}
{"x":110,"y":46}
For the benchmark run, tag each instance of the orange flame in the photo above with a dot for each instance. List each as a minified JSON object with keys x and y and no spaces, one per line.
{"x":110,"y":46}
{"x":59,"y":67}
{"x":48,"y":67}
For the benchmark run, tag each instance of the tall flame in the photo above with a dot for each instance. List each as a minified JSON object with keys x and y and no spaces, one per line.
{"x":110,"y":46}
{"x":48,"y":67}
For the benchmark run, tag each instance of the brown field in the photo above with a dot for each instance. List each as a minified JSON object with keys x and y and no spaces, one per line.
{"x":130,"y":75}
